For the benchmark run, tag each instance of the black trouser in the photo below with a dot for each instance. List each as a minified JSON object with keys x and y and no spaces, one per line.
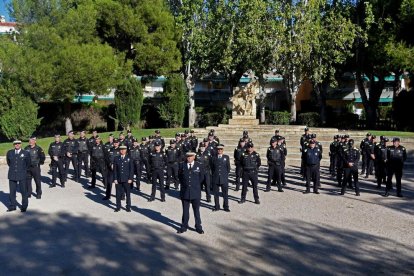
{"x":396,"y":169}
{"x":34,"y":172}
{"x":98,"y":165}
{"x":23,"y":190}
{"x":207,"y":183}
{"x":55,"y":166}
{"x":332,"y":165}
{"x":145,"y":163}
{"x":225,"y":192}
{"x":195,"y":203}
{"x":83,"y":157}
{"x":157,"y":178}
{"x":250,"y":175}
{"x":74,"y":160}
{"x":172,"y":174}
{"x":349,"y":175}
{"x":274,"y":176}
{"x":239,"y":174}
{"x":109,"y":180}
{"x":137,"y":173}
{"x":369,"y":165}
{"x":282,"y":176}
{"x":121,"y":189}
{"x":312,"y":174}
{"x":364,"y":162}
{"x":339,"y":174}
{"x":302,"y":168}
{"x":381,"y":172}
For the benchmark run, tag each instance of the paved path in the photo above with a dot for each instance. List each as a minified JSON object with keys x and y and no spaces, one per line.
{"x":72,"y":232}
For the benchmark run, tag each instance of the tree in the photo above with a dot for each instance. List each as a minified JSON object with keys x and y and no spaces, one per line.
{"x":172,"y":109}
{"x":128,"y":100}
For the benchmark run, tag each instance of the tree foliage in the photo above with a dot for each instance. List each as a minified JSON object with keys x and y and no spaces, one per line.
{"x":128,"y":100}
{"x":172,"y":109}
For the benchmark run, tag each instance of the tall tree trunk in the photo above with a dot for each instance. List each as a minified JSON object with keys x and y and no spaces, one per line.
{"x":191,"y":110}
{"x":321,"y":91}
{"x":68,"y":112}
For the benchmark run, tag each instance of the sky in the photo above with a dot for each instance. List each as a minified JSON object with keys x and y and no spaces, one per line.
{"x":3,"y":9}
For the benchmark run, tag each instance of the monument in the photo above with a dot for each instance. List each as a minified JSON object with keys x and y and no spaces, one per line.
{"x":244,"y":103}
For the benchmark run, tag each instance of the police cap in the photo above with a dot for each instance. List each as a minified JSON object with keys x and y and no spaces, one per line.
{"x":250,"y":145}
{"x":396,"y":139}
{"x":172,"y":141}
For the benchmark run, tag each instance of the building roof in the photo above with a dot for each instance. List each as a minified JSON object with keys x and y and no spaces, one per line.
{"x":8,"y":24}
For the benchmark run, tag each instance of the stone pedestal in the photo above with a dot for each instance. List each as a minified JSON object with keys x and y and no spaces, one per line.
{"x":244,"y":120}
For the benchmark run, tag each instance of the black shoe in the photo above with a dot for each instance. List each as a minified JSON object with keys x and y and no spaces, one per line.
{"x":256,"y":201}
{"x":150,"y":200}
{"x":378,"y":187}
{"x":306,"y":192}
{"x":237,"y":189}
{"x":23,"y":210}
{"x":215,"y":209}
{"x":38,"y":197}
{"x":167,"y":187}
{"x":242,"y":201}
{"x":128,"y":210}
{"x":180,"y":231}
{"x":280,"y":191}
{"x":11,"y":209}
{"x":162,"y":199}
{"x":351,"y":187}
{"x":316,"y":192}
{"x":226,"y":210}
{"x":342,"y":193}
{"x":399,"y":195}
{"x":387,"y":194}
{"x":357,"y":194}
{"x":123,"y":197}
{"x":208,"y":199}
{"x":63,"y":185}
{"x":200,"y":231}
{"x":267,"y":190}
{"x":29,"y":196}
{"x":105,"y":198}
{"x":52,"y":186}
{"x":366,"y":176}
{"x":117,"y":210}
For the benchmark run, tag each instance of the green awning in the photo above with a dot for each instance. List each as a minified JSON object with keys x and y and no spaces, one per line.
{"x":381,"y":100}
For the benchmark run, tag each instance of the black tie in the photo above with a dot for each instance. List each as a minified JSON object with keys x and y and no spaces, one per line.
{"x":190,"y":167}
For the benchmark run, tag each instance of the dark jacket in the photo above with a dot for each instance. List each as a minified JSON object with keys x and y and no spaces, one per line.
{"x":220,"y":169}
{"x":37,"y":155}
{"x":190,"y":180}
{"x":123,"y":169}
{"x":18,"y":164}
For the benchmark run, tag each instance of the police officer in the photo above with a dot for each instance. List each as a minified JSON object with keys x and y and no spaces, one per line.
{"x":135,"y":154}
{"x":122,"y":140}
{"x":275,"y":157}
{"x":351,"y":158}
{"x":396,"y":156}
{"x":342,"y":146}
{"x":37,"y":158}
{"x":380,"y":152}
{"x":250,"y":162}
{"x":110,"y":155}
{"x":364,"y":143}
{"x":57,"y":157}
{"x":19,"y":162}
{"x":311,"y":158}
{"x":110,"y":143}
{"x":369,"y":155}
{"x":193,"y":140}
{"x":157,"y":162}
{"x":238,"y":153}
{"x":123,"y":177}
{"x":212,"y":144}
{"x":70,"y":149}
{"x":129,"y":138}
{"x":145,"y":157}
{"x":333,"y":147}
{"x":83,"y":153}
{"x":191,"y":176}
{"x":98,"y":164}
{"x":204,"y":158}
{"x":220,"y":169}
{"x":173,"y":158}
{"x":281,"y":143}
{"x":158,"y":137}
{"x":303,"y":145}
{"x":92,"y":139}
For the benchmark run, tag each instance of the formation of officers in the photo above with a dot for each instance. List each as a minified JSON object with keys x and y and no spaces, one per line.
{"x":192,"y":166}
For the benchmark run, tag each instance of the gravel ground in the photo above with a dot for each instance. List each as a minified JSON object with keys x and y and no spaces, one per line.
{"x":72,"y":231}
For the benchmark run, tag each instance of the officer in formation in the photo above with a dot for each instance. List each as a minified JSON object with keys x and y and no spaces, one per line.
{"x":342,"y":146}
{"x":204,"y":158}
{"x":135,"y":154}
{"x":193,"y":140}
{"x":351,"y":157}
{"x":333,"y":154}
{"x":123,"y":177}
{"x":98,"y":164}
{"x":157,"y":163}
{"x":275,"y":160}
{"x":380,"y":153}
{"x":158,"y":137}
{"x":174,"y":157}
{"x":362,"y":145}
{"x":220,"y":170}
{"x":145,"y":157}
{"x":70,"y":149}
{"x":250,"y":162}
{"x":111,"y":153}
{"x":19,"y":163}
{"x":57,"y":158}
{"x":238,"y":153}
{"x":37,"y":158}
{"x":191,"y":175}
{"x":311,"y":157}
{"x":83,"y":153}
{"x":367,"y":147}
{"x":396,"y":156}
{"x":303,"y":144}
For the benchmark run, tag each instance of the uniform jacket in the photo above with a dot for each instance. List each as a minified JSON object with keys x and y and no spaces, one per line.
{"x":18,"y":164}
{"x":123,"y":169}
{"x":37,"y":155}
{"x":220,"y":169}
{"x":55,"y":149}
{"x":190,"y":180}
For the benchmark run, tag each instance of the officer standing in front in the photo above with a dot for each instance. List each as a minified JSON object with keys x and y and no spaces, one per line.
{"x":157,"y":162}
{"x":19,"y":162}
{"x":351,"y":158}
{"x":70,"y":148}
{"x":364,"y":143}
{"x":204,"y":157}
{"x":396,"y":156}
{"x":220,"y":169}
{"x":57,"y":157}
{"x":37,"y":158}
{"x":380,"y":152}
{"x":333,"y":155}
{"x":110,"y":154}
{"x":123,"y":178}
{"x":250,"y":162}
{"x":191,"y":176}
{"x":275,"y":157}
{"x":311,"y":158}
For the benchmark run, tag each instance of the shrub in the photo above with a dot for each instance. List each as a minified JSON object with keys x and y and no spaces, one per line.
{"x":277,"y":117}
{"x":385,"y":112}
{"x":212,"y":118}
{"x":311,"y":119}
{"x":129,"y":98}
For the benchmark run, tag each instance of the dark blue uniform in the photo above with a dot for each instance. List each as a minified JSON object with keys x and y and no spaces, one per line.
{"x":157,"y":162}
{"x":70,"y":149}
{"x":275,"y":160}
{"x":173,"y":156}
{"x":110,"y":155}
{"x":57,"y":159}
{"x":311,"y":159}
{"x":204,"y":159}
{"x":351,"y":156}
{"x":37,"y":158}
{"x":98,"y":164}
{"x":18,"y":166}
{"x":380,"y":152}
{"x":220,"y":169}
{"x":190,"y":192}
{"x":250,"y":163}
{"x":396,"y":157}
{"x":83,"y":155}
{"x":238,"y":153}
{"x":135,"y":154}
{"x":123,"y":172}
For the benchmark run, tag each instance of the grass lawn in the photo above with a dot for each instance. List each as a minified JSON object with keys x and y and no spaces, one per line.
{"x":45,"y":142}
{"x":391,"y":134}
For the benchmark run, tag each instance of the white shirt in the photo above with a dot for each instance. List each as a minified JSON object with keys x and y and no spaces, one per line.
{"x":190,"y":164}
{"x":17,"y":151}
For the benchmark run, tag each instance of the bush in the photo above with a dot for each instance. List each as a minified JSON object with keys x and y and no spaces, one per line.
{"x":129,"y":98}
{"x":311,"y":119}
{"x":212,"y":118}
{"x":277,"y":117}
{"x":385,"y":112}
{"x":172,"y":110}
{"x":90,"y":117}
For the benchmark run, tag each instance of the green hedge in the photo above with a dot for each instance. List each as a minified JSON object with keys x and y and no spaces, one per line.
{"x":212,"y":119}
{"x":277,"y":117}
{"x":311,"y":119}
